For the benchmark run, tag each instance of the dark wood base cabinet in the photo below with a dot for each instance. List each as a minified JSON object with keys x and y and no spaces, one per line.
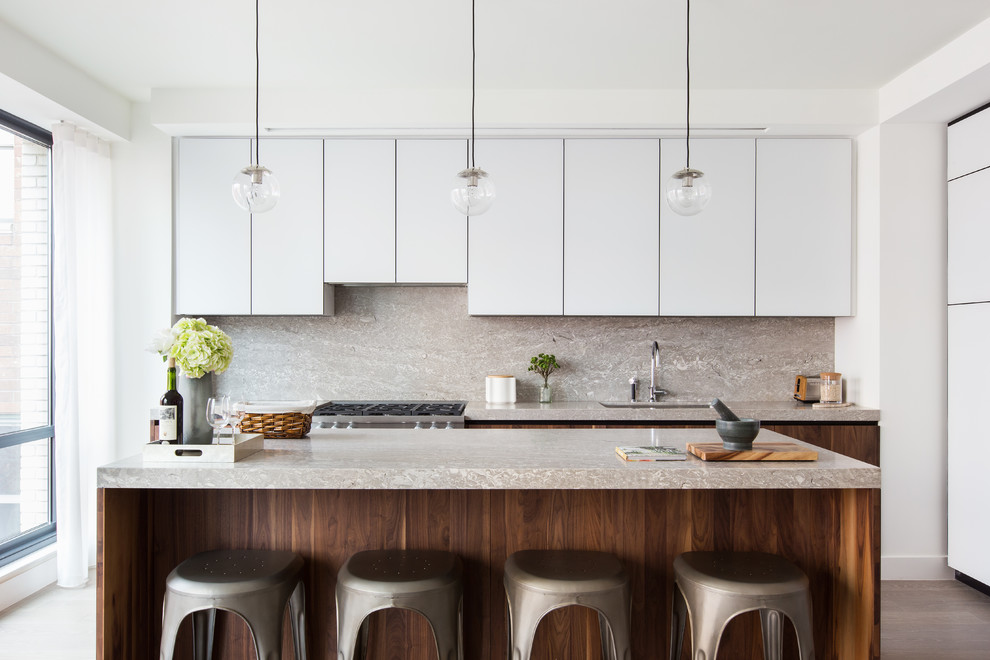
{"x":833,"y":535}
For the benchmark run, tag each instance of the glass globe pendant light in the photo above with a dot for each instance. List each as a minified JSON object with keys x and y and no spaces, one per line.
{"x":688,"y":190}
{"x":255,"y":188}
{"x":474,"y":191}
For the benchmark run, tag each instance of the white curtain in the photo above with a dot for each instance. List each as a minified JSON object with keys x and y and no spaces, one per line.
{"x":83,"y":341}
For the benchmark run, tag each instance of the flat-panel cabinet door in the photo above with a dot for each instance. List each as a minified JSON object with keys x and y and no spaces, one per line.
{"x":969,"y":145}
{"x":359,"y":211}
{"x":430,"y":235}
{"x":287,"y":245}
{"x":969,"y":445}
{"x":516,"y":249}
{"x":611,"y":227}
{"x":969,"y":236}
{"x":708,"y":260}
{"x":212,"y":234}
{"x":803,"y":224}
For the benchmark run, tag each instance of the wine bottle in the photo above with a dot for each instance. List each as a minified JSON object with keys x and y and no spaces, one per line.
{"x":170,"y":426}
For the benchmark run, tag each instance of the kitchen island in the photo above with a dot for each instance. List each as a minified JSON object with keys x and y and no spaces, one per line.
{"x":485,"y":494}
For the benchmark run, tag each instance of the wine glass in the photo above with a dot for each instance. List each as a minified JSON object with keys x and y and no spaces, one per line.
{"x":237,"y":412}
{"x":217,"y":414}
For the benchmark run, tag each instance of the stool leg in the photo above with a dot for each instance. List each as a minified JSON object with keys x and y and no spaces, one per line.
{"x":297,"y":611}
{"x":798,"y":610}
{"x":678,"y":620}
{"x":772,"y":623}
{"x":203,"y":625}
{"x":172,"y":615}
{"x":264,"y":614}
{"x":351,"y":612}
{"x":708,"y":618}
{"x":608,"y":644}
{"x":444,"y":616}
{"x":529,"y":609}
{"x":614,"y":615}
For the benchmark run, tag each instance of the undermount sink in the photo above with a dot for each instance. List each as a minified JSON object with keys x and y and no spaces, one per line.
{"x":653,"y":404}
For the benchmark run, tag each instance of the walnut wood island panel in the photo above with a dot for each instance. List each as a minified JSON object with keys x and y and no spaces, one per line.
{"x":484,"y":494}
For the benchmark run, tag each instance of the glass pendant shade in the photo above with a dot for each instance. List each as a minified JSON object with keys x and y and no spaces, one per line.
{"x":688,"y":191}
{"x":474,"y":191}
{"x":255,"y":189}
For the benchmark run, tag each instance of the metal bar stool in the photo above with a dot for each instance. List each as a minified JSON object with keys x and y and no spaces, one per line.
{"x":425,"y":581}
{"x":539,"y":581}
{"x":254,"y":584}
{"x":713,"y":587}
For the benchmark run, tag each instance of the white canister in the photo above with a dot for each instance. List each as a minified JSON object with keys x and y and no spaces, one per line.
{"x":500,"y":389}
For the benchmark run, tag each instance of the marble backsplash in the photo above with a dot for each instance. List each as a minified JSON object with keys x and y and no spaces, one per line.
{"x":420,"y":343}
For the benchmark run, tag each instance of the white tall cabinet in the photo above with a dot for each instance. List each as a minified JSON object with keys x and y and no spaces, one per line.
{"x":968,"y":346}
{"x":611,"y":227}
{"x":516,"y":249}
{"x":708,"y":261}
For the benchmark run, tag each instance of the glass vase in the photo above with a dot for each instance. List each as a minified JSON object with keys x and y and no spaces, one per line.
{"x":544,"y":393}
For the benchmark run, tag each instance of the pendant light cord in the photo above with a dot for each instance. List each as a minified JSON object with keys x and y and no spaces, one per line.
{"x":474,"y":57}
{"x":257,"y":82}
{"x":687,"y":58}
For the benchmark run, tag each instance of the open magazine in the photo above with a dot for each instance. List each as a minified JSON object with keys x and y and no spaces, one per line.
{"x":651,"y":453}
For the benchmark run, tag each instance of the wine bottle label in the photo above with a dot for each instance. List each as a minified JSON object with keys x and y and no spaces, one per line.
{"x":168,"y":423}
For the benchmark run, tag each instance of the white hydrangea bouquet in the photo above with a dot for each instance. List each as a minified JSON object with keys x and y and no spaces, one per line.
{"x":198,"y":348}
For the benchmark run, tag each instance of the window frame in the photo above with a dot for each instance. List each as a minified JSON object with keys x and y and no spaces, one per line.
{"x":42,"y":535}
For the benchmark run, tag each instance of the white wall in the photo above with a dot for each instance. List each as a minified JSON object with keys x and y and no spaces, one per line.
{"x":892,"y":353}
{"x":857,"y":338}
{"x":142,"y":184}
{"x":912,"y":350}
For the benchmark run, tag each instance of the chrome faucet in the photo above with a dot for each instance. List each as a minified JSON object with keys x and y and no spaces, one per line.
{"x":654,"y":365}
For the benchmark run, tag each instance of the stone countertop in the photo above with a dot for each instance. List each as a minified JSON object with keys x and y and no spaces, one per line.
{"x":593,"y":411}
{"x":488,"y":459}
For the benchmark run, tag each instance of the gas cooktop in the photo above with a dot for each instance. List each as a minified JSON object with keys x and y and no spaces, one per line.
{"x":391,"y":408}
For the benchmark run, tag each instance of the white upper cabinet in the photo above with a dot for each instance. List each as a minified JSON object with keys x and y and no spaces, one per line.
{"x":611,"y":227}
{"x":708,"y":260}
{"x":431,"y":236}
{"x":212,"y":234}
{"x":515,"y":250}
{"x":969,"y":236}
{"x":803,"y":227}
{"x":287,"y":245}
{"x":359,"y":211}
{"x":228,"y":261}
{"x":969,"y":145}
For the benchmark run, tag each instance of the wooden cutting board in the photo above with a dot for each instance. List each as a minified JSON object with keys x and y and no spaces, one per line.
{"x":761,"y":451}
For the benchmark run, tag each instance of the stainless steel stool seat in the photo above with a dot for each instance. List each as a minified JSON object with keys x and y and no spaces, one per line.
{"x":254,"y":584}
{"x":539,"y":581}
{"x":710,"y":588}
{"x":425,"y":581}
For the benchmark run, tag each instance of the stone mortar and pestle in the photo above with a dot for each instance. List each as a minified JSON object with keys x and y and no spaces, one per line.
{"x":737,"y":434}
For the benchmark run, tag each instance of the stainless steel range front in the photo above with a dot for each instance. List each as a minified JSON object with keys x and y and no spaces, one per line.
{"x":390,"y":415}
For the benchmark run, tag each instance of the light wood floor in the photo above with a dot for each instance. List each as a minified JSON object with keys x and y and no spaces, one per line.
{"x":938,"y":620}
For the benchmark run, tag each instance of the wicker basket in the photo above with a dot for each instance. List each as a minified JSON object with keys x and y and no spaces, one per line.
{"x":278,"y":425}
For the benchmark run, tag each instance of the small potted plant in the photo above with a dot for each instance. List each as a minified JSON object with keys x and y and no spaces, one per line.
{"x":544,"y":365}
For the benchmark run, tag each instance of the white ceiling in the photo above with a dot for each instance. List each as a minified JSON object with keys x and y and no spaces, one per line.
{"x":134,"y":46}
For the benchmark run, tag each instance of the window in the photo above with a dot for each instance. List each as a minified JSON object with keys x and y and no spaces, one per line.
{"x":27,"y":504}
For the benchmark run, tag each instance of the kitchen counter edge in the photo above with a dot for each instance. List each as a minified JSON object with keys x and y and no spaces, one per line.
{"x":593,"y":411}
{"x":494,"y":459}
